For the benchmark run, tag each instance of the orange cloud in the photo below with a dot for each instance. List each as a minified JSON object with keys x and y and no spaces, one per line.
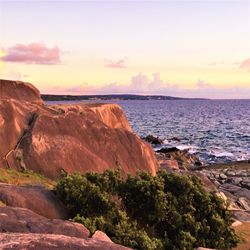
{"x":34,"y":53}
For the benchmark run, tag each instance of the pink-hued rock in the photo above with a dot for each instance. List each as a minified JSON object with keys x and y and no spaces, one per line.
{"x":203,"y":248}
{"x":112,"y":115}
{"x":236,"y":223}
{"x":20,"y":91}
{"x":207,"y":184}
{"x":22,"y":220}
{"x":84,"y":137}
{"x":36,"y":198}
{"x":99,"y":235}
{"x":20,"y":241}
{"x":14,"y":120}
{"x":23,"y":229}
{"x":168,"y":164}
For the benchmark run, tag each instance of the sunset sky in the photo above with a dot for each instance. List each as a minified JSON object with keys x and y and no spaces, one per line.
{"x":179,"y":48}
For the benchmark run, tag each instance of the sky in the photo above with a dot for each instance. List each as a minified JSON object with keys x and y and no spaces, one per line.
{"x":178,"y":48}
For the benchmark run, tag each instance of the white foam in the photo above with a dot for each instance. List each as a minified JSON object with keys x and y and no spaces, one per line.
{"x":224,"y":154}
{"x":183,"y":147}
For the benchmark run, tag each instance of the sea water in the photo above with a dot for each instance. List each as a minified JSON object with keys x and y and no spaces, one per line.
{"x":214,"y":130}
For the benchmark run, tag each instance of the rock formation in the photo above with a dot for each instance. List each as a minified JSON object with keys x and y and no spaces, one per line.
{"x":23,"y":229}
{"x":20,"y":241}
{"x":36,"y":198}
{"x":22,"y":220}
{"x":174,"y":158}
{"x":232,"y":181}
{"x":21,"y":91}
{"x":153,"y":140}
{"x":83,"y":137}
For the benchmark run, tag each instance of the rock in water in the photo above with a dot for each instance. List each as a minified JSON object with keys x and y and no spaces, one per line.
{"x":183,"y":158}
{"x":168,"y":150}
{"x":153,"y":140}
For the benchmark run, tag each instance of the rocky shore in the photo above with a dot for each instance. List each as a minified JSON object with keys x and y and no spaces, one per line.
{"x":69,"y":138}
{"x":231,"y":181}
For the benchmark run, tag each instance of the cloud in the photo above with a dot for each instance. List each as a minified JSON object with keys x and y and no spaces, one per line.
{"x":34,"y":53}
{"x":223,"y":63}
{"x":245,"y":64}
{"x":142,"y":84}
{"x":13,"y":75}
{"x":119,"y":64}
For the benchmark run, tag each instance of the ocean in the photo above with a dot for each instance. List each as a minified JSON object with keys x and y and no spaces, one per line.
{"x":217,"y":131}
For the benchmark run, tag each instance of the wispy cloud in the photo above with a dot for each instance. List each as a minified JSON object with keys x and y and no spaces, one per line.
{"x":245,"y":64}
{"x":13,"y":75}
{"x":119,"y":64}
{"x":34,"y":53}
{"x":223,"y":64}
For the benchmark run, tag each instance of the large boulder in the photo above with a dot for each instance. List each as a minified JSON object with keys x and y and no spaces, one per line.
{"x":78,"y":140}
{"x":21,"y":220}
{"x":36,"y":198}
{"x":20,"y":241}
{"x":23,"y":229}
{"x":84,"y":137}
{"x":21,"y":91}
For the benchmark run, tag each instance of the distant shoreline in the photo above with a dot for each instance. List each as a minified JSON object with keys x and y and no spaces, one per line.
{"x":47,"y":97}
{"x":122,"y":97}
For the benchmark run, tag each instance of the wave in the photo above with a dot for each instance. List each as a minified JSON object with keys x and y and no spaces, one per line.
{"x":209,"y":155}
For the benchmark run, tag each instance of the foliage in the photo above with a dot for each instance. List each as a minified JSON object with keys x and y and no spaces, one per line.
{"x":167,"y":211}
{"x":26,"y":177}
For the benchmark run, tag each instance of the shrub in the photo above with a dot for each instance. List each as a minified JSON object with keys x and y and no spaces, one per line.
{"x":167,"y":211}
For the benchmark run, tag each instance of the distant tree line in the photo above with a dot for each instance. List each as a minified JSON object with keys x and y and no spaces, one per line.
{"x":112,"y":97}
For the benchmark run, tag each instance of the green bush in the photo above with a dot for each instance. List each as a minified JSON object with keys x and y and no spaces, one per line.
{"x":167,"y":211}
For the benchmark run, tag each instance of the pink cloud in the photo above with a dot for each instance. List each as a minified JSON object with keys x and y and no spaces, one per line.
{"x":34,"y":53}
{"x":139,"y":84}
{"x":245,"y":64}
{"x":116,"y":64}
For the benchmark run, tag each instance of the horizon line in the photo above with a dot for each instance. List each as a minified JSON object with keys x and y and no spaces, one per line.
{"x":145,"y":95}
